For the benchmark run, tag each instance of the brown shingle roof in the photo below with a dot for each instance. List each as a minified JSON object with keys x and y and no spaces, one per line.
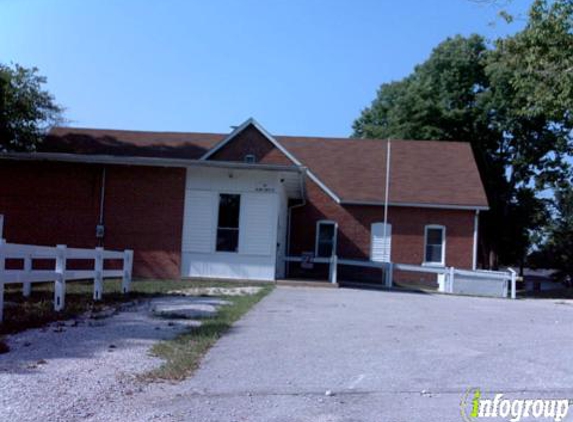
{"x":422,"y":172}
{"x":129,"y":143}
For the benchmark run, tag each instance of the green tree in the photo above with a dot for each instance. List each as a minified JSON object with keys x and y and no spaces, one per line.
{"x":539,"y":61}
{"x":557,"y":251}
{"x":469,"y":90}
{"x":27,"y":110}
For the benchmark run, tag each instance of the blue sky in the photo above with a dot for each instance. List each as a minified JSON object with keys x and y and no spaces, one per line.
{"x":300,"y":67}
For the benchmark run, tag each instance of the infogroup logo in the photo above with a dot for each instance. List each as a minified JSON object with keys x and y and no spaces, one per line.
{"x":475,"y":407}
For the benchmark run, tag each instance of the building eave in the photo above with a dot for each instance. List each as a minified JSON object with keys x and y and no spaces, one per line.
{"x":143,"y":161}
{"x":417,"y":205}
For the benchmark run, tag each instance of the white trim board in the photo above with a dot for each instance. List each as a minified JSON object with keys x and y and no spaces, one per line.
{"x":475,"y":240}
{"x":441,"y":227}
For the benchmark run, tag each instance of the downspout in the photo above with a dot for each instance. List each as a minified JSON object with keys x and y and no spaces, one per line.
{"x":475,"y":246}
{"x":101,"y":207}
{"x":302,"y":204}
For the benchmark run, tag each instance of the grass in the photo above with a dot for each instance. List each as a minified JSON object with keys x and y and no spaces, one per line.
{"x":182,"y":354}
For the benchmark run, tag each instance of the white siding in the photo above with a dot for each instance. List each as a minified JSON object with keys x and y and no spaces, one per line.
{"x":199,"y":221}
{"x":258,"y":224}
{"x":228,"y":266}
{"x":380,"y":247}
{"x":256,"y":258}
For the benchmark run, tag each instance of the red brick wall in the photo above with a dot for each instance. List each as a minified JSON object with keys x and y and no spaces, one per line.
{"x":251,"y":141}
{"x":50,"y":203}
{"x":407,"y":229}
{"x":144,"y":212}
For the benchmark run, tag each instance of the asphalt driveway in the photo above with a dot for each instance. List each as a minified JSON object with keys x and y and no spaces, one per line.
{"x":382,"y":356}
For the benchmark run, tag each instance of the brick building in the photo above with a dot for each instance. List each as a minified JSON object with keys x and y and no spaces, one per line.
{"x":235,"y":205}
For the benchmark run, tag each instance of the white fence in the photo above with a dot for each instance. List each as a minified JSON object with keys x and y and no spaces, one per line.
{"x":450,"y":279}
{"x":468,"y":282}
{"x":60,"y":274}
{"x":334,"y":262}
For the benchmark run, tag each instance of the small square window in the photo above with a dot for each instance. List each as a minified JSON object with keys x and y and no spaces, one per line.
{"x":250,"y":158}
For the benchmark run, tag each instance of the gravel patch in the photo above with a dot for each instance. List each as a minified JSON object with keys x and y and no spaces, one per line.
{"x":76,"y":370}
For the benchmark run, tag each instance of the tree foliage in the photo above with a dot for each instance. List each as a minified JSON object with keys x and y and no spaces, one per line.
{"x":539,"y":61}
{"x":557,"y":251}
{"x":27,"y":110}
{"x":511,"y":100}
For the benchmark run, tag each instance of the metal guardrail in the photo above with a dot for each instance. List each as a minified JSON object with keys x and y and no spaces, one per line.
{"x":60,"y":274}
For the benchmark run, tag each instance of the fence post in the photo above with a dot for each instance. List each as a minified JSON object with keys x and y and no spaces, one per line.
{"x":513,"y":283}
{"x":2,"y":277}
{"x":127,"y":268}
{"x":98,"y":273}
{"x":333,"y":269}
{"x":442,"y":281}
{"x":451,"y":280}
{"x":27,"y":289}
{"x":389,"y":274}
{"x":60,"y":283}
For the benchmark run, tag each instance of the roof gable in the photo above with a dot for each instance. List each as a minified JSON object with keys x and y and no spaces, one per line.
{"x":236,"y":134}
{"x":250,"y":122}
{"x":250,"y":141}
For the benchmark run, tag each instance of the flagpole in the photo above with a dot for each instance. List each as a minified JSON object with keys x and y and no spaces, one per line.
{"x":388,"y":151}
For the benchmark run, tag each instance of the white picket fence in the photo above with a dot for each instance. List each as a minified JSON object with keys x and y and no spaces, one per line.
{"x":450,"y":280}
{"x":60,"y":274}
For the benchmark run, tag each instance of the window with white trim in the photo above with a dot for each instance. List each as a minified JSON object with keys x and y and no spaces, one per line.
{"x":228,"y":223}
{"x":325,"y":239}
{"x":435,"y":245}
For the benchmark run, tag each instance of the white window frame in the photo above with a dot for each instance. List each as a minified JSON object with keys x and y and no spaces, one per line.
{"x":334,"y":240}
{"x":218,"y":205}
{"x":442,"y":263}
{"x":250,"y":159}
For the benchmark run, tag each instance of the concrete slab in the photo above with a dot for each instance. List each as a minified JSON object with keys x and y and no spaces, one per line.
{"x":186,"y":307}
